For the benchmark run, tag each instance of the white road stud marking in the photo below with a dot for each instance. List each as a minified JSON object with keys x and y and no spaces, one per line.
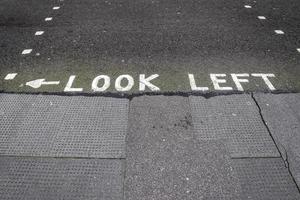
{"x":39,"y":82}
{"x":216,"y":81}
{"x":238,"y":81}
{"x":146,"y":82}
{"x":48,"y":18}
{"x":26,"y":51}
{"x":56,"y":8}
{"x":261,"y":17}
{"x":298,"y":50}
{"x":266,"y":80}
{"x":10,"y":76}
{"x":193,"y":85}
{"x":105,"y":85}
{"x":130,"y":83}
{"x":69,"y":88}
{"x":247,"y":6}
{"x":280,"y":32}
{"x":39,"y":33}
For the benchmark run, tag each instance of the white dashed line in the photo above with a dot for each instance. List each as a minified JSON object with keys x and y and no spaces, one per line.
{"x":10,"y":76}
{"x":26,"y":51}
{"x":261,"y":17}
{"x":280,"y":32}
{"x":247,"y":6}
{"x":56,"y":7}
{"x":48,"y":19}
{"x":39,"y":33}
{"x":298,"y":50}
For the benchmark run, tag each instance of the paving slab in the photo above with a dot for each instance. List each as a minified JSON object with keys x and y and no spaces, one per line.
{"x":57,"y":126}
{"x":265,"y":179}
{"x":164,"y":159}
{"x":235,"y":119}
{"x":52,"y":179}
{"x":282,"y":115}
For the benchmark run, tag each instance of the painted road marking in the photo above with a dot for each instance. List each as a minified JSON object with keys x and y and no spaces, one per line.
{"x":39,"y":82}
{"x":266,"y":80}
{"x":193,"y":85}
{"x":238,"y":81}
{"x":48,"y":18}
{"x":298,"y":50}
{"x":56,"y":8}
{"x":261,"y":17}
{"x":26,"y":51}
{"x":69,"y":87}
{"x":105,"y":86}
{"x":125,"y":82}
{"x":146,"y":82}
{"x":39,"y":33}
{"x":218,"y":79}
{"x":10,"y":76}
{"x":247,"y":6}
{"x":125,"y":78}
{"x":280,"y":32}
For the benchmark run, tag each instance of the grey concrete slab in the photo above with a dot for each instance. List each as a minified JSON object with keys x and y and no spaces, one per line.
{"x":265,"y":179}
{"x":44,"y":125}
{"x":164,"y":159}
{"x":282,"y":115}
{"x":235,"y":119}
{"x":52,"y":179}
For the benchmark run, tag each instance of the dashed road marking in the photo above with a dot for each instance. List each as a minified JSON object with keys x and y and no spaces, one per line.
{"x":248,"y":6}
{"x":10,"y":76}
{"x":298,"y":50}
{"x":261,"y":17}
{"x":39,"y":33}
{"x":26,"y":51}
{"x":48,"y":18}
{"x":56,"y":8}
{"x":279,"y":32}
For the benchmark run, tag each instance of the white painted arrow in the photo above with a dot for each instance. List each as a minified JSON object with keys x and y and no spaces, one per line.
{"x":39,"y":82}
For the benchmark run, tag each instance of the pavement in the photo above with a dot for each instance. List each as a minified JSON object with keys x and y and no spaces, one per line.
{"x":144,"y":100}
{"x":150,"y":147}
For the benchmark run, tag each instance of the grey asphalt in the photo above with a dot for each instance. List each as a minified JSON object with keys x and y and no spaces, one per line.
{"x":169,"y":38}
{"x":150,"y":147}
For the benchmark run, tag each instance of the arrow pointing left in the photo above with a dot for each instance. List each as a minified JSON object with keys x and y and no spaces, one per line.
{"x":39,"y":82}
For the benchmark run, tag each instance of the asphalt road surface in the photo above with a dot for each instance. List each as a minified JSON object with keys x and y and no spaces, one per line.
{"x":72,"y":42}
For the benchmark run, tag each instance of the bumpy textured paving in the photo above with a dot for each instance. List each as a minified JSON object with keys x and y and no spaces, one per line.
{"x":282,"y":115}
{"x":166,"y":161}
{"x":53,"y":179}
{"x":63,"y":126}
{"x":265,"y":179}
{"x":236,"y":120}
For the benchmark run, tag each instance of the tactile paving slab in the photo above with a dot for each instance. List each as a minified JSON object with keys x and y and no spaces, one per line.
{"x":236,"y":120}
{"x":282,"y":115}
{"x":265,"y":179}
{"x":62,"y":126}
{"x":53,"y":179}
{"x":165,"y":161}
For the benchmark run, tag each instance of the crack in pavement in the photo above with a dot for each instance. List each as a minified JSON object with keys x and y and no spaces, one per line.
{"x":277,"y":144}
